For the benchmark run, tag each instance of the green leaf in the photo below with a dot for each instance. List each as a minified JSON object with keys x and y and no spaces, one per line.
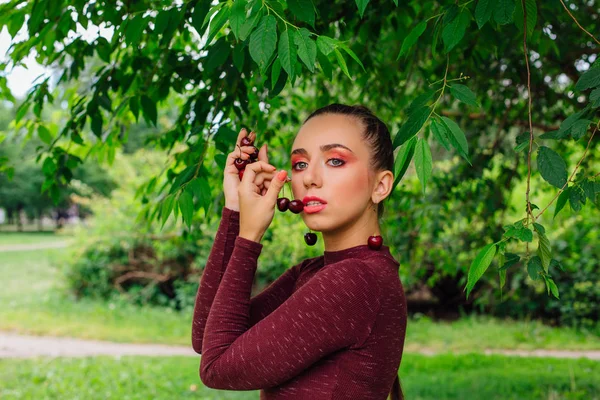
{"x":275,"y":71}
{"x":251,"y":22}
{"x":483,"y":11}
{"x":510,"y":260}
{"x":217,"y":54}
{"x":531,"y":8}
{"x":237,"y":17}
{"x":304,"y":10}
{"x":287,"y":53}
{"x":580,"y":128}
{"x":457,"y":138}
{"x":552,"y":167}
{"x":217,"y":23}
{"x":307,"y":48}
{"x":161,"y":22}
{"x":44,"y":134}
{"x":326,"y":44}
{"x":576,"y":198}
{"x":503,"y":12}
{"x":134,"y":106}
{"x":454,"y":31}
{"x":186,"y":205}
{"x":351,"y":53}
{"x":551,"y":286}
{"x":199,"y":186}
{"x":562,"y":200}
{"x":568,"y":123}
{"x":440,"y":133}
{"x":544,"y":250}
{"x":200,"y":11}
{"x":479,"y":265}
{"x":96,"y":123}
{"x":534,"y":267}
{"x":325,"y":65}
{"x":412,"y":38}
{"x":464,"y":94}
{"x":341,"y":62}
{"x":212,"y":11}
{"x":590,"y":79}
{"x":166,"y":208}
{"x":134,"y":29}
{"x":403,"y":159}
{"x":103,"y":49}
{"x":412,"y":126}
{"x":423,"y":162}
{"x":149,"y":109}
{"x":263,"y":41}
{"x":239,"y":55}
{"x":419,"y":101}
{"x":362,"y":5}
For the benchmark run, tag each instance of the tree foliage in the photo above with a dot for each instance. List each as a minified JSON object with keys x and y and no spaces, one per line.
{"x":498,"y":83}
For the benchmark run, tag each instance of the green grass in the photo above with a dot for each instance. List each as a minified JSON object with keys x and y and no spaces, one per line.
{"x":8,"y":238}
{"x":35,"y":306}
{"x":440,"y":377}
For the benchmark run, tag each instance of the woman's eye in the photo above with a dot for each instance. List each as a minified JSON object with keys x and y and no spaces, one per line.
{"x":300,"y":162}
{"x":339,"y":164}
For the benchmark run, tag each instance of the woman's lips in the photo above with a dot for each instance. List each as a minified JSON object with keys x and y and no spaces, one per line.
{"x":314,"y":209}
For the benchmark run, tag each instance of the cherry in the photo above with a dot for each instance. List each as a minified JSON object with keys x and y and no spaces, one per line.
{"x":375,"y":242}
{"x":296,"y":206}
{"x":254,"y":154}
{"x":240,"y":163}
{"x":246,"y":141}
{"x":241,"y":174}
{"x":283,"y":203}
{"x":310,"y":238}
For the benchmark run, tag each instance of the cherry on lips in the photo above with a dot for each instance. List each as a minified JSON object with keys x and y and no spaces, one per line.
{"x":296,"y":206}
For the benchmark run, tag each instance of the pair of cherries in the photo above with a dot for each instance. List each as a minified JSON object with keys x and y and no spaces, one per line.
{"x":240,"y":163}
{"x":283,"y":203}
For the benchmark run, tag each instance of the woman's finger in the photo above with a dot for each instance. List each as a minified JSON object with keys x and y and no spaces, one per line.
{"x":252,"y":170}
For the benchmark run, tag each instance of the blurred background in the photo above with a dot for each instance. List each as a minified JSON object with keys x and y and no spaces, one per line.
{"x":97,"y":257}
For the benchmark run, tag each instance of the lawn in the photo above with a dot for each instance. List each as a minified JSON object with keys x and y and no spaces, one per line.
{"x":35,"y":306}
{"x":8,"y":238}
{"x":469,"y":376}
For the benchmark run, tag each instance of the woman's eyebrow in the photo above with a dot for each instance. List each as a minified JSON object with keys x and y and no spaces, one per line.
{"x":324,"y":148}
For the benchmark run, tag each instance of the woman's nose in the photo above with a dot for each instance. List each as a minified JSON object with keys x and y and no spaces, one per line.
{"x":312,"y":176}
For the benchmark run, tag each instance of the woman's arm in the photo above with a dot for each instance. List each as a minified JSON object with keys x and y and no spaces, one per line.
{"x":335,"y":309}
{"x":261,"y":305}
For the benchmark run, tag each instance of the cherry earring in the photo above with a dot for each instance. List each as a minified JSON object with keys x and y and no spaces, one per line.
{"x":310,"y":238}
{"x":375,"y":242}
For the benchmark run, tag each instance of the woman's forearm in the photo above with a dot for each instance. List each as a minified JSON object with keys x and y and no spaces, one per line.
{"x":213,"y":272}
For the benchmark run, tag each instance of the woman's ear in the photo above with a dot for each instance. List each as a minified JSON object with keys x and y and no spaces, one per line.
{"x":385,"y":181}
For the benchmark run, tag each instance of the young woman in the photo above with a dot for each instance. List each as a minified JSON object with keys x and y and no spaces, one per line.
{"x":330,"y":327}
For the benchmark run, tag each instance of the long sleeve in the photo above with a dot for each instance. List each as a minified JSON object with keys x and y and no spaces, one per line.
{"x":335,"y":309}
{"x":261,"y":305}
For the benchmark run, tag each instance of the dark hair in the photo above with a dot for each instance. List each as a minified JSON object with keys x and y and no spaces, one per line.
{"x":376,"y":133}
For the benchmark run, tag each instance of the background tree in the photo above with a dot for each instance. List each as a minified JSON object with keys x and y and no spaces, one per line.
{"x":497,"y":83}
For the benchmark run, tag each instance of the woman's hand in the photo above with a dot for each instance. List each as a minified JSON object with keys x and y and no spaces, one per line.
{"x":257,"y":210}
{"x":231,"y":179}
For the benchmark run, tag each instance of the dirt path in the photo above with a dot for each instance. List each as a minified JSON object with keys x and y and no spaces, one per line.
{"x":13,"y":345}
{"x":35,"y":246}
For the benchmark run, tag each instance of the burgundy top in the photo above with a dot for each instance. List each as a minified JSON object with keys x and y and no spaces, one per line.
{"x":330,"y":327}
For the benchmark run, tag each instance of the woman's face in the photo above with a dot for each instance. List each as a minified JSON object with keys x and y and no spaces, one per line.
{"x":340,"y":176}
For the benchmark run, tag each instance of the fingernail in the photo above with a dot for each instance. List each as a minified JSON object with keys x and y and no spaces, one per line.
{"x":281,"y":175}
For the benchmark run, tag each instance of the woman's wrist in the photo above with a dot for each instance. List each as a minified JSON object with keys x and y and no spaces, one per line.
{"x":233,"y":207}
